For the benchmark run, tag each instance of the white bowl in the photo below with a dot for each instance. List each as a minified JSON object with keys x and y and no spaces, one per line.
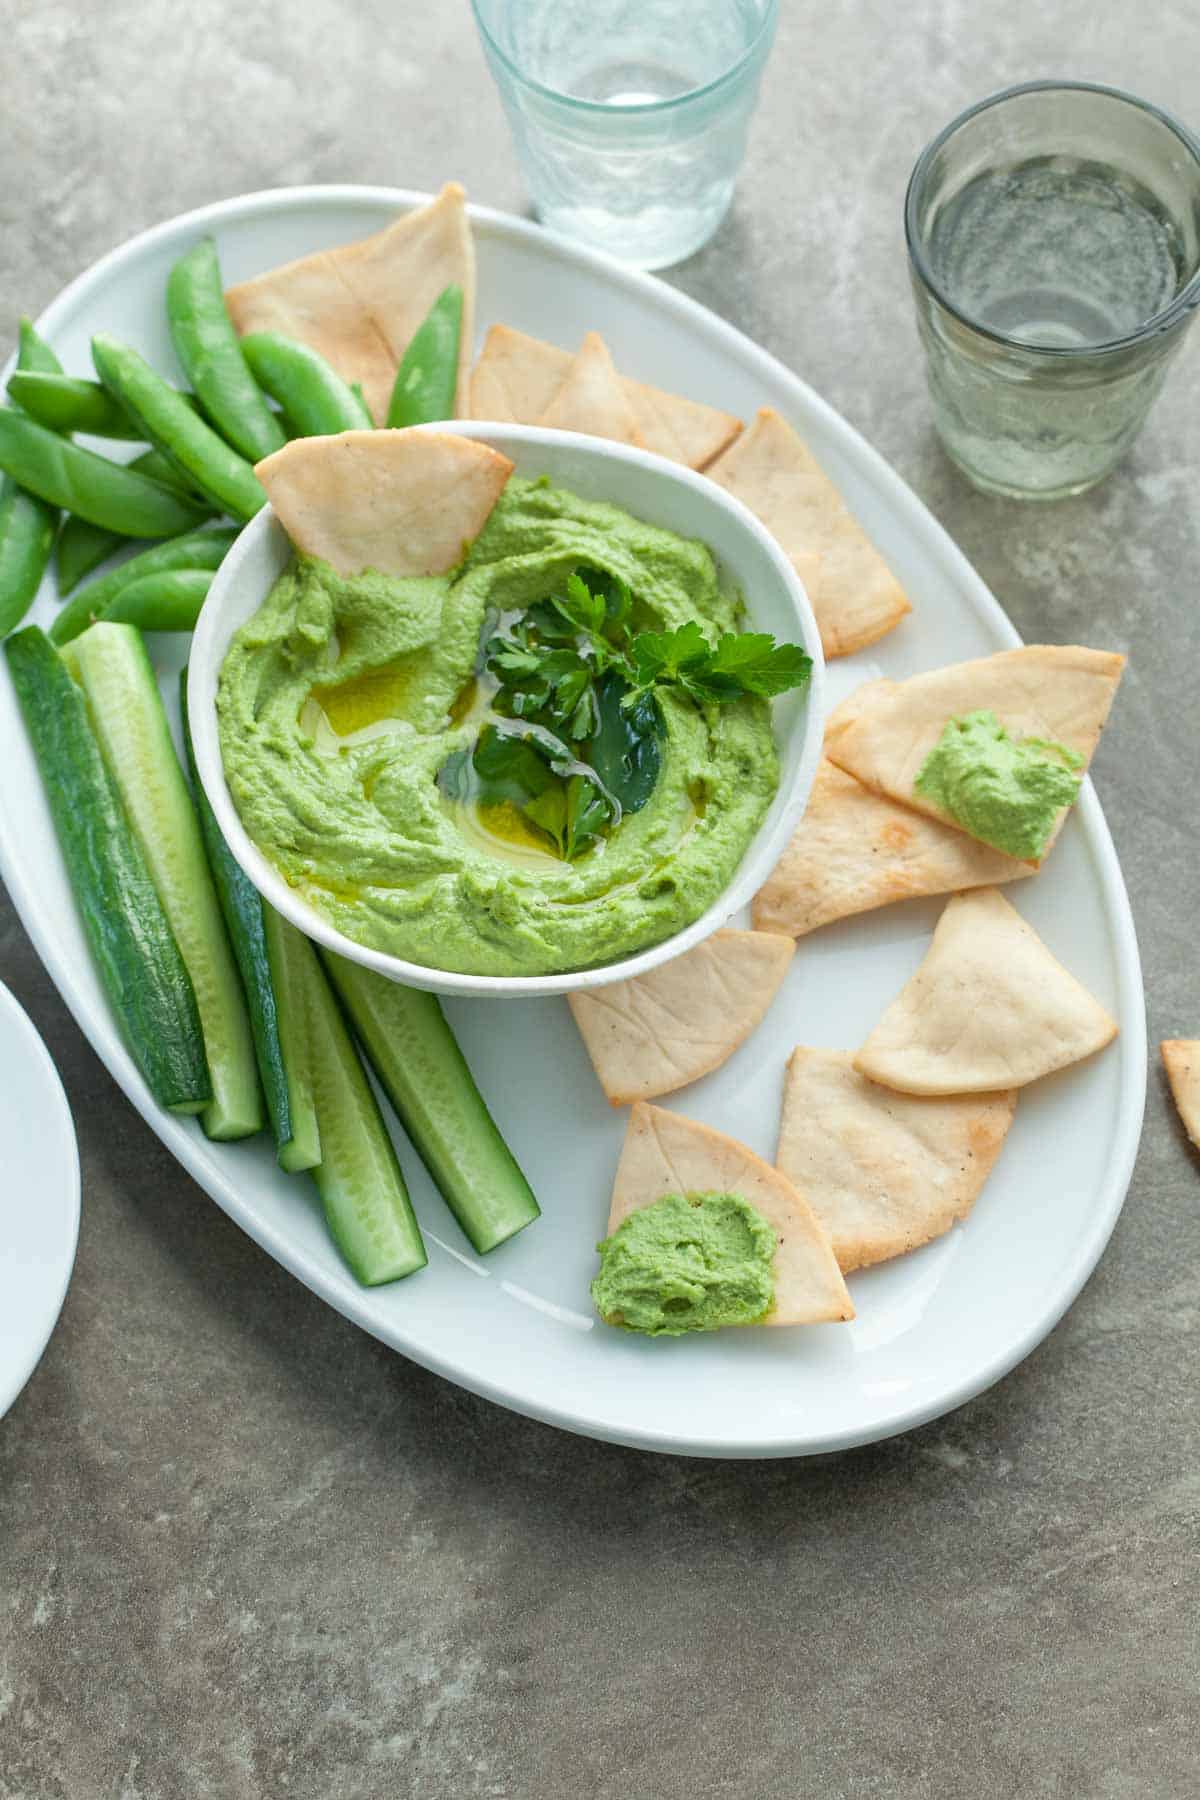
{"x":652,"y":489}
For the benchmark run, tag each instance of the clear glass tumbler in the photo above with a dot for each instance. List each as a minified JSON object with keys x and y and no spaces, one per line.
{"x":629,"y":116}
{"x":1054,"y":246}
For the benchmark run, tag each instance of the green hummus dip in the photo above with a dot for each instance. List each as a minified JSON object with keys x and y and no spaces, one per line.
{"x":1006,"y":791}
{"x":340,"y":702}
{"x":689,"y":1264}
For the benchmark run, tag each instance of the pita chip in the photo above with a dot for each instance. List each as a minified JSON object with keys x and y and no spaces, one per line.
{"x":591,"y":397}
{"x":402,"y":502}
{"x":1181,"y":1059}
{"x":848,"y":711}
{"x":1054,"y":691}
{"x":658,"y":1031}
{"x":667,"y":1154}
{"x":988,"y":1009}
{"x":854,"y":595}
{"x":855,"y":850}
{"x":517,"y":378}
{"x":884,"y":1172}
{"x":360,"y":304}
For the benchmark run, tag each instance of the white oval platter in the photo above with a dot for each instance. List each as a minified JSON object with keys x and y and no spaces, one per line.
{"x":933,"y":1328}
{"x":39,"y":1198}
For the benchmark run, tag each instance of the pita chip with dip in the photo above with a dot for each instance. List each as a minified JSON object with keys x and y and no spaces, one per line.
{"x":989,"y":1009}
{"x":855,"y":597}
{"x":660,"y":1031}
{"x":884,"y":1172}
{"x":855,"y":850}
{"x":592,"y":398}
{"x":1181,"y":1059}
{"x":1037,"y":712}
{"x":401,"y":502}
{"x":672,"y":1284}
{"x":359,"y":305}
{"x":517,"y":379}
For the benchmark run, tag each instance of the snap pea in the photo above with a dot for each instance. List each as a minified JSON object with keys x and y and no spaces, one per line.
{"x":316,"y":401}
{"x":168,"y":601}
{"x":172,"y":427}
{"x":427,"y":378}
{"x":81,"y":547}
{"x":65,"y":403}
{"x":33,"y":352}
{"x":66,"y":475}
{"x":207,"y":346}
{"x":194,"y":550}
{"x":27,"y":524}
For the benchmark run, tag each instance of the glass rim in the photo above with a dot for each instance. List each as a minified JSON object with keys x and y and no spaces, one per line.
{"x":632,"y":108}
{"x":1181,"y":303}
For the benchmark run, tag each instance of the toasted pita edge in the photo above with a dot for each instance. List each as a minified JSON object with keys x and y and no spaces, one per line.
{"x":614,"y":1061}
{"x":889,"y":1055}
{"x":591,"y":399}
{"x":315,"y":484}
{"x":656,"y":1138}
{"x":1181,"y":1059}
{"x":863,"y":1249}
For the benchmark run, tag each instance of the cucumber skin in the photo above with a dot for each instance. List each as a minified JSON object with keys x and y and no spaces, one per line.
{"x":366,"y":1203}
{"x":135,"y":952}
{"x":127,"y":715}
{"x":425,"y":1076}
{"x":243,"y":908}
{"x":285,"y":947}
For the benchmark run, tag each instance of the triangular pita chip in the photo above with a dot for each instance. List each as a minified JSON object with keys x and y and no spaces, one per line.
{"x":666,"y":1154}
{"x":988,"y":1009}
{"x":848,"y":711}
{"x":659,"y":1031}
{"x":855,"y":850}
{"x":1181,"y":1059}
{"x":884,"y":1172}
{"x":402,"y":502}
{"x":359,"y":305}
{"x":1055,"y":691}
{"x":517,"y":378}
{"x":591,"y":398}
{"x":854,"y":595}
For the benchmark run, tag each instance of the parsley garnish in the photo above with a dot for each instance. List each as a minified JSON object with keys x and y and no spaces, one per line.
{"x":585,"y":686}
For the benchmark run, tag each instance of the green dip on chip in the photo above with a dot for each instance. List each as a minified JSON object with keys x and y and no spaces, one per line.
{"x":687,"y":1264}
{"x":1005,"y":791}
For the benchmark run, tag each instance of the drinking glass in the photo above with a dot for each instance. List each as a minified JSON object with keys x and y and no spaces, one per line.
{"x":629,"y":116}
{"x":1054,"y":246}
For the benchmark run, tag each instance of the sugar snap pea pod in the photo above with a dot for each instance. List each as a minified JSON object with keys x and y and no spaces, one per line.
{"x":27,"y":524}
{"x":168,"y":601}
{"x":80,"y":547}
{"x":66,"y":403}
{"x":428,"y":374}
{"x":316,"y":401}
{"x":207,"y":346}
{"x":34,"y":353}
{"x":69,"y":476}
{"x":194,"y":550}
{"x":172,"y":427}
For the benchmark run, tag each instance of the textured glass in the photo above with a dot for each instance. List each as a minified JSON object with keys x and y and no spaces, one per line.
{"x":629,"y":116}
{"x":1054,"y":243}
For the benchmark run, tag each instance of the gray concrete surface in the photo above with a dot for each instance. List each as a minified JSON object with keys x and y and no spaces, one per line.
{"x":244,"y":1551}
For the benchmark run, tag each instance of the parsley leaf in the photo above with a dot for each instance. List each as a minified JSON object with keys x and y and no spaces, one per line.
{"x":747,"y":662}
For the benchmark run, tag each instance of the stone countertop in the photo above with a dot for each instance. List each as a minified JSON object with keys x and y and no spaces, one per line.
{"x":247,"y":1552}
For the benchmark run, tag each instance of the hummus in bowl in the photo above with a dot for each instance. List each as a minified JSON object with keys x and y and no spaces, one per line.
{"x":367,"y":758}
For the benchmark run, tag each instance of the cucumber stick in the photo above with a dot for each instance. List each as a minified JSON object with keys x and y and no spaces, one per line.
{"x":274,"y":999}
{"x":129,"y":721}
{"x":367,"y":1207}
{"x":131,"y":942}
{"x":423,"y":1073}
